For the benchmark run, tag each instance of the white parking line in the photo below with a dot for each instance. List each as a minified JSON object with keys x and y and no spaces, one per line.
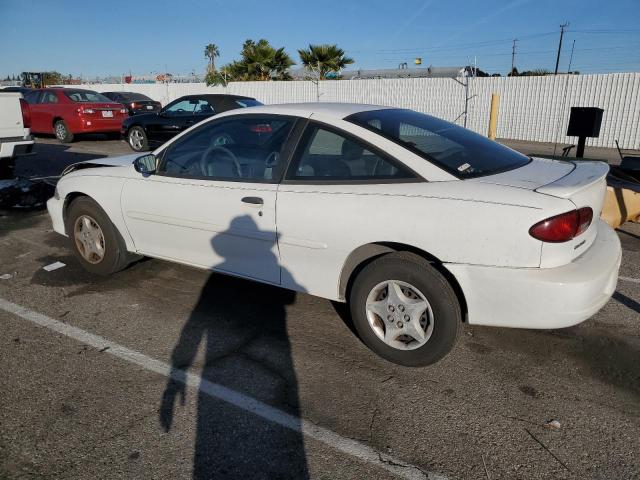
{"x":629,"y":279}
{"x":220,"y":392}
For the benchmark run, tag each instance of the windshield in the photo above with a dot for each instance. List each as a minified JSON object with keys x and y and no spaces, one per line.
{"x":247,"y":102}
{"x":459,"y":151}
{"x":84,"y":96}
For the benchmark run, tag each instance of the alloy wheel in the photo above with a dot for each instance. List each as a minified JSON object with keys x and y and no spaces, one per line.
{"x":400,"y":315}
{"x":89,"y":239}
{"x":136,"y":139}
{"x":61,"y":131}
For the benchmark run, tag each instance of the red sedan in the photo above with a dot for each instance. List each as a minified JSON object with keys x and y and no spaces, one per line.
{"x":66,"y":112}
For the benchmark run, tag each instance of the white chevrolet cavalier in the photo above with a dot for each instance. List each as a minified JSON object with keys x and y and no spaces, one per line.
{"x":415,"y":222}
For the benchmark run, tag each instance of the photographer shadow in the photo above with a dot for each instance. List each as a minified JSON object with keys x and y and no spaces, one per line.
{"x":241,"y":326}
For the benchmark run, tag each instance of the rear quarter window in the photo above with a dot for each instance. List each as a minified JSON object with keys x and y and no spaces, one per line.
{"x":457,"y":150}
{"x":247,"y":102}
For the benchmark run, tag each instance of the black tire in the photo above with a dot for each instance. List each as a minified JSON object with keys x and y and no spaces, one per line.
{"x":62,"y":132}
{"x":115,"y":256}
{"x":415,"y":270}
{"x":144,"y":143}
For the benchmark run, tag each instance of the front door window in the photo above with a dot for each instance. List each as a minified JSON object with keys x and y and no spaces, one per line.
{"x":244,"y":148}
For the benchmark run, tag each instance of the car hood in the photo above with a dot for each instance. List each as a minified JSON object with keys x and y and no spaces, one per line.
{"x":121,"y":161}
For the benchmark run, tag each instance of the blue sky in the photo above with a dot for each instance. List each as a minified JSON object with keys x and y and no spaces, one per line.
{"x":113,"y":37}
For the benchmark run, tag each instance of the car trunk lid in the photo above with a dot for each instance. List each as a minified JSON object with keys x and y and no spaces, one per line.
{"x":101,"y":110}
{"x":536,"y":173}
{"x":586,"y":180}
{"x":581,"y":182}
{"x":145,"y":105}
{"x":585,"y":186}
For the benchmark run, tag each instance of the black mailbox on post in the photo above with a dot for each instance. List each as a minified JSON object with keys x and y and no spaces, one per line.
{"x":584,"y":122}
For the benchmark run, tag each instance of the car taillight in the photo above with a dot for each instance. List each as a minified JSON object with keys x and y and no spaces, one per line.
{"x":26,"y":113}
{"x":563,"y":227}
{"x":134,"y":105}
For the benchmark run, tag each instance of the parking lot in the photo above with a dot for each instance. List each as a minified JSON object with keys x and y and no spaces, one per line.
{"x":94,"y":371}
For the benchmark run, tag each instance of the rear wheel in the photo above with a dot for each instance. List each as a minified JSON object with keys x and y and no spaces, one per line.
{"x":94,"y":239}
{"x":137,"y":139}
{"x":62,"y":132}
{"x":405,"y":310}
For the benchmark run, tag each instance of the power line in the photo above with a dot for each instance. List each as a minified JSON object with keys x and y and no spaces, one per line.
{"x":487,"y":43}
{"x":607,"y":31}
{"x":513,"y":54}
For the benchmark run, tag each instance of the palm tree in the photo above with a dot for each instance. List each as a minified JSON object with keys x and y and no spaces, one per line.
{"x":211,"y":51}
{"x":262,"y":61}
{"x":323,"y":59}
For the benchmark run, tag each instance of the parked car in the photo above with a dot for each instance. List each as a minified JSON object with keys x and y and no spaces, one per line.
{"x":66,"y":112}
{"x":134,"y":102}
{"x":143,"y":132}
{"x":417,"y":223}
{"x":15,"y":136}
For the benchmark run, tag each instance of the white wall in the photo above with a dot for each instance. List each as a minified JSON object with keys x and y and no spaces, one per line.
{"x":531,"y":108}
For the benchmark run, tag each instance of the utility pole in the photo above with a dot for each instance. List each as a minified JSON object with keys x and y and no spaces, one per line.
{"x":513,"y":55}
{"x":562,"y":27}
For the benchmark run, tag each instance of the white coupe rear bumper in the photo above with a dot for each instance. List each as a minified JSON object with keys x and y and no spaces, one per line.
{"x":543,"y":297}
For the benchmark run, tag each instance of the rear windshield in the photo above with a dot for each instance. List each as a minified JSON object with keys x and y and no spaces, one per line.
{"x":134,"y":97}
{"x":247,"y":102}
{"x":457,"y":150}
{"x":84,"y":96}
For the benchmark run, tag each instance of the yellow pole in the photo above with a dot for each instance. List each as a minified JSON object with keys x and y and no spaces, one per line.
{"x":493,"y":116}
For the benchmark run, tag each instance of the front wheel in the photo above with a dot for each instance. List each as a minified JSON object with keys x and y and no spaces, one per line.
{"x":137,"y":139}
{"x":94,"y":239}
{"x":405,"y":310}
{"x":63,"y":134}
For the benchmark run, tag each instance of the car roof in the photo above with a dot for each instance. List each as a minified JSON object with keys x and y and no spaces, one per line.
{"x":337,"y":110}
{"x":124,"y":93}
{"x":68,"y":89}
{"x":215,"y":96}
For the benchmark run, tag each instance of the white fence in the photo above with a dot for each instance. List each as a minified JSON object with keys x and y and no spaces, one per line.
{"x":531,"y":108}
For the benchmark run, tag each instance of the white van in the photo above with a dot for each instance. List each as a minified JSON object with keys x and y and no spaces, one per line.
{"x":15,"y":133}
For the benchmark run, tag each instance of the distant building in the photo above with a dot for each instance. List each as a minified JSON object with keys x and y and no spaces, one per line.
{"x":403,"y":71}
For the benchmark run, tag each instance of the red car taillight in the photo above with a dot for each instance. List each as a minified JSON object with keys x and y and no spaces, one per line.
{"x":563,"y":227}
{"x":26,"y":113}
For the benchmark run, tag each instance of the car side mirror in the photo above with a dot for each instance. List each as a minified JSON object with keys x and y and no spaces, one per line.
{"x":147,"y":164}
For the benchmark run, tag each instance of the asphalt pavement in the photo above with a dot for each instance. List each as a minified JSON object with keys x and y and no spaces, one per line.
{"x":164,"y":371}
